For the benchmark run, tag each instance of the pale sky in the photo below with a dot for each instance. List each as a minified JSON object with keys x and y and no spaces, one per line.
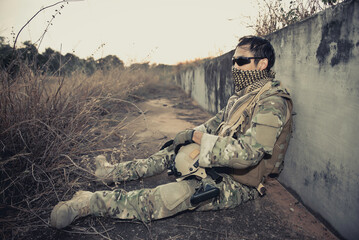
{"x":156,"y":31}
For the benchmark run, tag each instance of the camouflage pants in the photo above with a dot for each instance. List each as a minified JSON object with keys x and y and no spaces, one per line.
{"x":164,"y":200}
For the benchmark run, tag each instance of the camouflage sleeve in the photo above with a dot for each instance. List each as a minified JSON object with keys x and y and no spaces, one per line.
{"x":212,"y":124}
{"x":266,"y":125}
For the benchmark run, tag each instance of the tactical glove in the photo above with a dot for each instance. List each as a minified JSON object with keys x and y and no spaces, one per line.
{"x":183,"y":138}
{"x":167,"y":144}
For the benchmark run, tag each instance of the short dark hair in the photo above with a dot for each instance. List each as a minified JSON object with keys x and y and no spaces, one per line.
{"x":260,"y":47}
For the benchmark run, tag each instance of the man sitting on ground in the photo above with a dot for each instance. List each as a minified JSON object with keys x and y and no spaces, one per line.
{"x":244,"y":143}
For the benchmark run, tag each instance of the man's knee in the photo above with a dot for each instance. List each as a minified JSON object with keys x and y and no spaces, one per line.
{"x":171,"y":198}
{"x":174,"y":194}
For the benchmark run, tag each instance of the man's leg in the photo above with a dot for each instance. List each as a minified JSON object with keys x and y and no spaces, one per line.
{"x":169,"y":199}
{"x":144,"y":204}
{"x":150,"y":204}
{"x":132,"y":170}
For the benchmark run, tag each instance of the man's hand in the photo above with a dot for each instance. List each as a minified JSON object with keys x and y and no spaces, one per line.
{"x":183,"y":138}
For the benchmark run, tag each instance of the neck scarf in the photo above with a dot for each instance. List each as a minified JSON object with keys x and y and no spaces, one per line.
{"x":252,"y":79}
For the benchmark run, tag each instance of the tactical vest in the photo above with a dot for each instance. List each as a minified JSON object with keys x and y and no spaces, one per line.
{"x":239,"y":121}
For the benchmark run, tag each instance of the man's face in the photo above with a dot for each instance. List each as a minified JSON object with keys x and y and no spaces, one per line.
{"x":243,"y":51}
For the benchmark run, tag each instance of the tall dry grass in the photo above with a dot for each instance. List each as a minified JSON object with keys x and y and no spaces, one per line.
{"x":276,"y":14}
{"x":47,"y":123}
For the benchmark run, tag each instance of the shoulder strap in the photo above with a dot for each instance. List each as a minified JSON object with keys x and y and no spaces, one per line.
{"x":237,"y":115}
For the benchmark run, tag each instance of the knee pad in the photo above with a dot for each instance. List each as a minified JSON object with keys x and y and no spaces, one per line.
{"x":173,"y":194}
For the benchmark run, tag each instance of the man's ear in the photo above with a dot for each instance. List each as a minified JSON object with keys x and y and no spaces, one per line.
{"x":262,"y":64}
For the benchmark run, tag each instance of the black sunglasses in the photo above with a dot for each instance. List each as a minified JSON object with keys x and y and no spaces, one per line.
{"x":243,"y":60}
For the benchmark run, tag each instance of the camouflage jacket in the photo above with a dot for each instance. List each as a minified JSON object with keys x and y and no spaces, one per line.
{"x":247,"y":148}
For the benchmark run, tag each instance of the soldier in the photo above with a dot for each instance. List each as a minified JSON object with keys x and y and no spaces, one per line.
{"x":245,"y":142}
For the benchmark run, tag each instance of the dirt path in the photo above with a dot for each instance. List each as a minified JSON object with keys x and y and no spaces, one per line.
{"x":167,"y":110}
{"x":161,"y":121}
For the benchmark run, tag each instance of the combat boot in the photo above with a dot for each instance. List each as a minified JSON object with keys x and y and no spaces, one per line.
{"x":104,"y":170}
{"x":64,"y":213}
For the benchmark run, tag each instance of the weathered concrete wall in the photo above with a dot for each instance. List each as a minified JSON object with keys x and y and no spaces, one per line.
{"x":318,"y":60}
{"x":209,"y":83}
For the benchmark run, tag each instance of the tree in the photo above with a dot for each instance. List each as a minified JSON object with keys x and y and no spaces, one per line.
{"x":72,"y":63}
{"x":50,"y":61}
{"x":109,"y":62}
{"x":5,"y":53}
{"x":140,"y":66}
{"x":90,"y":66}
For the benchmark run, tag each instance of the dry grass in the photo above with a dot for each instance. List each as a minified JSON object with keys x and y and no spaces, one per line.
{"x":47,"y":124}
{"x":274,"y":15}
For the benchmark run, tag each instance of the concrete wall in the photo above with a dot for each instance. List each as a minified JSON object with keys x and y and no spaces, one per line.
{"x":209,"y":83}
{"x":318,"y":60}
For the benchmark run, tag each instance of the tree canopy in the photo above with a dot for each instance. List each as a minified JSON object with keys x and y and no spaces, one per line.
{"x":52,"y":62}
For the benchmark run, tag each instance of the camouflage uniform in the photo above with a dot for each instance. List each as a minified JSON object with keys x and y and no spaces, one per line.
{"x":246,"y":148}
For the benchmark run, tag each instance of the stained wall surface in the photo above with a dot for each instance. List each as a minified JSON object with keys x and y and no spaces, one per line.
{"x":318,"y":60}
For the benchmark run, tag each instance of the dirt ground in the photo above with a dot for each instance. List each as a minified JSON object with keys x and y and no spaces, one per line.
{"x":167,"y":110}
